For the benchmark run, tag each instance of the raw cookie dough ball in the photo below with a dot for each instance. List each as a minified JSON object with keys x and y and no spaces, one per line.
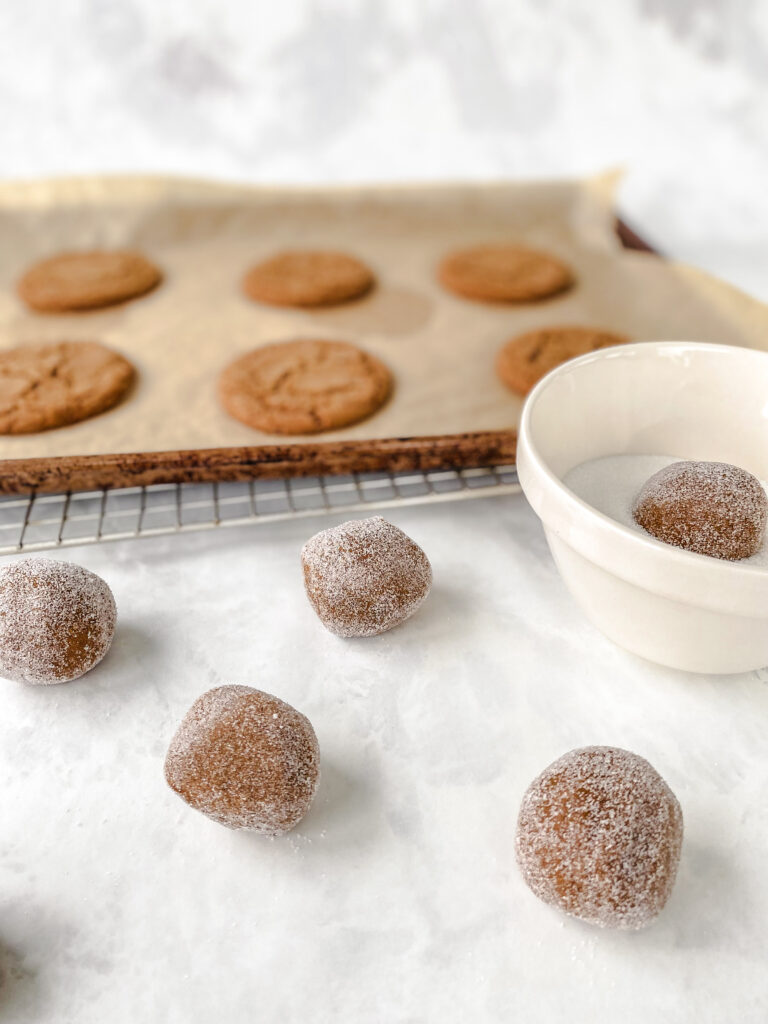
{"x":245,"y":759}
{"x":711,"y":508}
{"x":57,"y":620}
{"x":365,"y":576}
{"x":599,"y":836}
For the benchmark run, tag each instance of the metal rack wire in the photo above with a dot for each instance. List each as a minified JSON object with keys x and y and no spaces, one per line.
{"x":39,"y":522}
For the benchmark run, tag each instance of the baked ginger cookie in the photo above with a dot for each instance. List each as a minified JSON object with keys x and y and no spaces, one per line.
{"x":304,"y":386}
{"x":72,"y":281}
{"x":524,"y":360}
{"x":299,"y":277}
{"x":504,"y":273}
{"x":52,"y":385}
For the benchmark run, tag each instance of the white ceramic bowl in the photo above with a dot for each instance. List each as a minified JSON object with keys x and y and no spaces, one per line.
{"x":685,"y":399}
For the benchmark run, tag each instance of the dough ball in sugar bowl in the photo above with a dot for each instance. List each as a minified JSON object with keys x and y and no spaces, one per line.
{"x":711,"y":508}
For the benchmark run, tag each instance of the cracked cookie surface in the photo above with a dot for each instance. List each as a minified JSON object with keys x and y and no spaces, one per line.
{"x":304,"y":386}
{"x":504,"y":273}
{"x":52,"y":385}
{"x":299,"y":277}
{"x":524,"y":360}
{"x":72,"y":281}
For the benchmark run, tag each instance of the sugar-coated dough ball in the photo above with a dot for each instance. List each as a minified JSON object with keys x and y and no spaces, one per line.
{"x":599,"y":836}
{"x":365,"y":576}
{"x":711,"y":508}
{"x":57,"y":620}
{"x":245,"y":759}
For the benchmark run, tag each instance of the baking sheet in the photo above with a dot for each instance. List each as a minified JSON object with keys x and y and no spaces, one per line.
{"x":440,"y":348}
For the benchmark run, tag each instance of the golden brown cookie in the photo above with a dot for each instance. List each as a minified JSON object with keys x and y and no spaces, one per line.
{"x":308,"y":278}
{"x":47,"y":386}
{"x":524,"y":360}
{"x":74,"y":281}
{"x":504,"y":273}
{"x":303,"y":387}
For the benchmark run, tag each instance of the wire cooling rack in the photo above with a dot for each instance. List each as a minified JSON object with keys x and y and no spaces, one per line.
{"x":38,"y":522}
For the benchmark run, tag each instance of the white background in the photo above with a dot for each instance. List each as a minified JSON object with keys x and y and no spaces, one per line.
{"x":398,"y":899}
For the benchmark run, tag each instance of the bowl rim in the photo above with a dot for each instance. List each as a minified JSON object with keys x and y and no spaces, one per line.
{"x":639,"y":558}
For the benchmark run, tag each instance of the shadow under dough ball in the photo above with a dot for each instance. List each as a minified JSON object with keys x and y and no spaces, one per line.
{"x":599,"y":837}
{"x":712,"y":508}
{"x":245,"y":759}
{"x":72,"y":281}
{"x":365,"y":576}
{"x":57,"y":620}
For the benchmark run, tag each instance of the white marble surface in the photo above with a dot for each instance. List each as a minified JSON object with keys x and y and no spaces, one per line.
{"x":398,"y":898}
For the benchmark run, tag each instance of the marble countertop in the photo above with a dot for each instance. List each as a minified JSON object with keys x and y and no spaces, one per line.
{"x":397,"y":898}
